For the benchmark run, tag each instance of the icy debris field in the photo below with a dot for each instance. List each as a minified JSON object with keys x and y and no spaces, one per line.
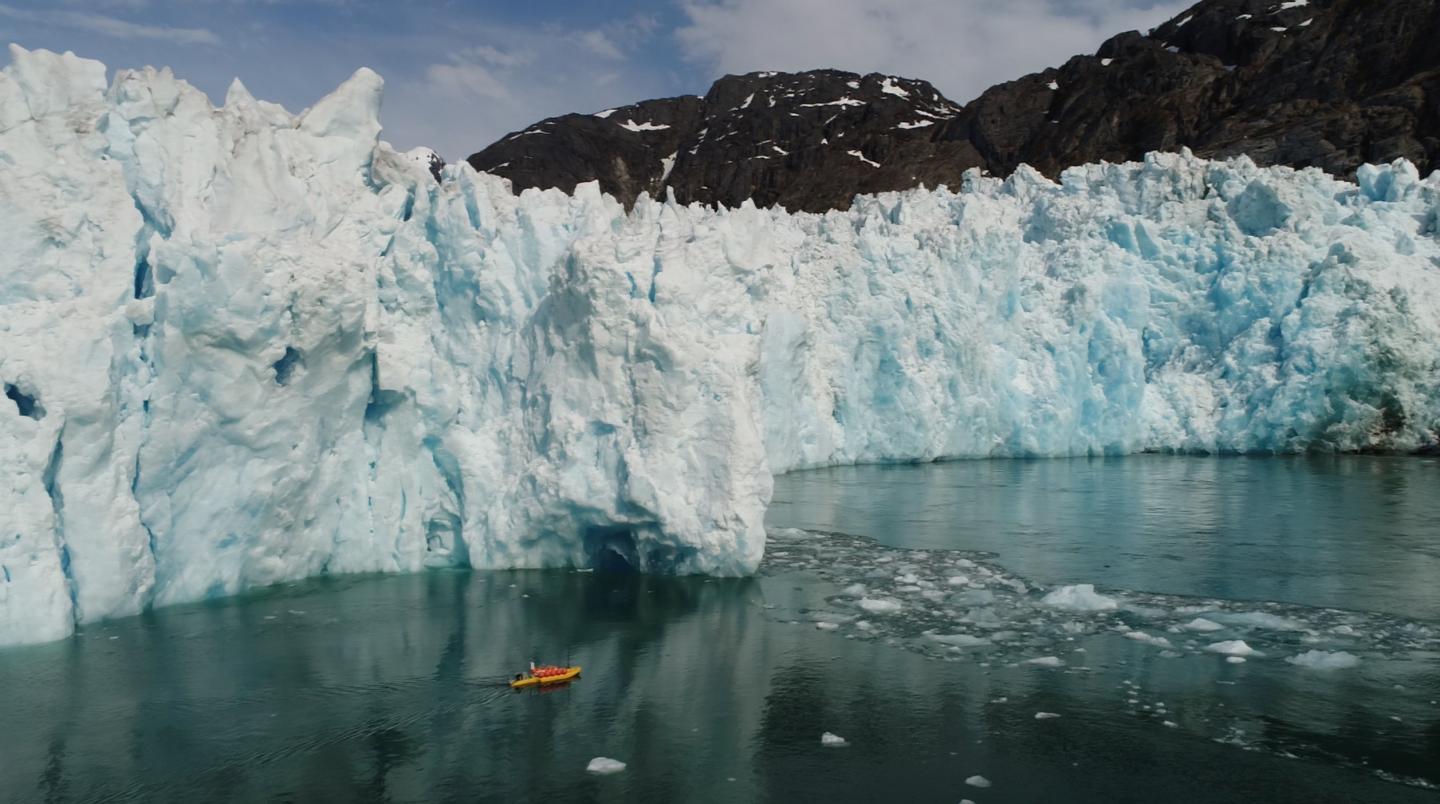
{"x":960,"y":606}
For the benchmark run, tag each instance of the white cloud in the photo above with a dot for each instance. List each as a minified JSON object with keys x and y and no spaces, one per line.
{"x":466,"y":78}
{"x":497,"y":57}
{"x":112,"y":27}
{"x":962,"y":46}
{"x":515,"y":76}
{"x":599,"y":44}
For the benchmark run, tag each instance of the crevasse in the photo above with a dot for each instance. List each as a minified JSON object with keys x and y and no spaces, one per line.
{"x":241,"y":346}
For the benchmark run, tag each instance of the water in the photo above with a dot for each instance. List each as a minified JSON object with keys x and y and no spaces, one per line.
{"x":391,"y":688}
{"x":1351,"y":532}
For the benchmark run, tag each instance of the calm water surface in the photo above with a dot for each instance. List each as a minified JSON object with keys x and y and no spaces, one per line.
{"x":391,"y":688}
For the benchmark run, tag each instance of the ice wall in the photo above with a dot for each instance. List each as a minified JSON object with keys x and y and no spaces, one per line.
{"x":242,"y":347}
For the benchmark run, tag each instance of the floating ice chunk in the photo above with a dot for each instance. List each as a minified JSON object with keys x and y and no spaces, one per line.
{"x":1149,"y":639}
{"x":983,"y":617}
{"x":832,"y":740}
{"x":1324,"y":660}
{"x":1080,"y":597}
{"x":1260,"y":619}
{"x":605,"y":765}
{"x":854,"y":590}
{"x":1045,"y":715}
{"x":961,"y":640}
{"x":1232,"y":647}
{"x":957,"y":580}
{"x":1235,"y":659}
{"x":880,"y":605}
{"x":1046,"y":661}
{"x":1170,"y":724}
{"x":977,"y":781}
{"x":1202,"y":625}
{"x":827,"y":626}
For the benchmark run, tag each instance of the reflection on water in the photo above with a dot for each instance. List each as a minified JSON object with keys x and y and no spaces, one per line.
{"x":1355,"y":532}
{"x":392,"y":689}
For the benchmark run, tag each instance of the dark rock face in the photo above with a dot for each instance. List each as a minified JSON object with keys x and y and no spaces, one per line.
{"x":1328,"y":83}
{"x":435,"y":164}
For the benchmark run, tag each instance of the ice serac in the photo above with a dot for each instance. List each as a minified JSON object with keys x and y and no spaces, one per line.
{"x":240,"y":346}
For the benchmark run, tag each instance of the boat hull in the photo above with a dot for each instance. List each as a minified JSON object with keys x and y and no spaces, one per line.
{"x":570,"y":674}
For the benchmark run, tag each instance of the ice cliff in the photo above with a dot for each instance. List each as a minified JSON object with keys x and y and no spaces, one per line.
{"x":242,"y":347}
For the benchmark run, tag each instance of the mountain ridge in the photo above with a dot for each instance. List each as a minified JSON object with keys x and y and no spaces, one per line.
{"x":1326,"y":83}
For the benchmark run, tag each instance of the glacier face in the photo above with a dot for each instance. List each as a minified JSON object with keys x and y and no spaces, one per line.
{"x":242,"y":346}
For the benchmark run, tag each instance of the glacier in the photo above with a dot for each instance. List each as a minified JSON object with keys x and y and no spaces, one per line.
{"x":242,"y":346}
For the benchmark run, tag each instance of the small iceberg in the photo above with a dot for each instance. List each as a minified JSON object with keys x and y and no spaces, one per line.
{"x":880,"y":605}
{"x":1232,"y":647}
{"x":830,"y":740}
{"x":605,"y":765}
{"x":1324,"y":660}
{"x":1080,"y":597}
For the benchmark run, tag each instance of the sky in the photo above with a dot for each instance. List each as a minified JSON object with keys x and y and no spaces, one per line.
{"x":460,"y":75}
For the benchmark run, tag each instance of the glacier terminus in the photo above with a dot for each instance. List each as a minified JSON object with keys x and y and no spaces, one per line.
{"x":242,"y":347}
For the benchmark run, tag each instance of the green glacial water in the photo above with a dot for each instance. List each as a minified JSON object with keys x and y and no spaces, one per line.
{"x":901,"y":607}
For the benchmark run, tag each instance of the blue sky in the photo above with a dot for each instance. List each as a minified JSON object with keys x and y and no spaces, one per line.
{"x":461,"y":74}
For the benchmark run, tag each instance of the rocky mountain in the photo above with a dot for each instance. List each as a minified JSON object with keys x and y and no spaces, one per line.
{"x":1328,"y":83}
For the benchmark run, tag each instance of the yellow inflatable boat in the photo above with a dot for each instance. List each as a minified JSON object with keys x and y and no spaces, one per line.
{"x":545,"y":676}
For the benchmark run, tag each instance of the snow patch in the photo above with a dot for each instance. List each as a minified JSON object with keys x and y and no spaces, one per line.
{"x":861,"y":156}
{"x":889,"y":87}
{"x":631,"y":125}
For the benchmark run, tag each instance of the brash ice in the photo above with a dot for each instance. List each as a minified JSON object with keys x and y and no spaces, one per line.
{"x":242,"y":346}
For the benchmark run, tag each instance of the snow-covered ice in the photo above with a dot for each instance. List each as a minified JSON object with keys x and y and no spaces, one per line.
{"x":287,"y":351}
